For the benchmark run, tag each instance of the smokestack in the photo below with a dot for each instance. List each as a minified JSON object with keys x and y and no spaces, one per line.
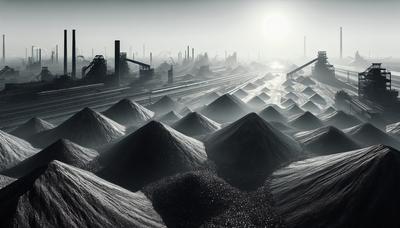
{"x":117,"y":61}
{"x":32,"y":59}
{"x":4,"y":49}
{"x":188,"y":52}
{"x":40,"y":56}
{"x":151,"y":58}
{"x":57,"y":53}
{"x":192,"y":54}
{"x":305,"y":47}
{"x":73,"y":74}
{"x":341,"y":43}
{"x":65,"y":52}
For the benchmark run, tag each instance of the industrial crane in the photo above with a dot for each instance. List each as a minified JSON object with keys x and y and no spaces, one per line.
{"x":290,"y":74}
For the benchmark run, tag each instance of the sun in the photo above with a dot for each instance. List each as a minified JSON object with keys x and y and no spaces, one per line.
{"x":277,"y":26}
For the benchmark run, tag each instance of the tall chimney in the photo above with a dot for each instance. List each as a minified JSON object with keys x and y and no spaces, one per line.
{"x":192,"y":54}
{"x":40,"y":56}
{"x":341,"y":43}
{"x":188,"y":53}
{"x":65,"y":53}
{"x":117,"y":61}
{"x":4,"y":49}
{"x":151,"y":58}
{"x":305,"y":47}
{"x":73,"y":74}
{"x":57,"y":53}
{"x":32,"y":57}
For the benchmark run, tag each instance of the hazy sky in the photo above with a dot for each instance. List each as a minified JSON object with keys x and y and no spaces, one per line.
{"x":271,"y":28}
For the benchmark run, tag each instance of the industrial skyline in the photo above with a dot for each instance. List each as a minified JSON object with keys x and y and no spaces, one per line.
{"x":271,"y":28}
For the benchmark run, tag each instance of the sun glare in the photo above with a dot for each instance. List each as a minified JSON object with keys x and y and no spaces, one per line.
{"x":277,"y":26}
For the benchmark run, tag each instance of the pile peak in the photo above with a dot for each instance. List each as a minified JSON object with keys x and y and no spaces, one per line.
{"x":271,"y":114}
{"x":62,"y":150}
{"x":170,"y":117}
{"x":164,"y":105}
{"x":13,"y":150}
{"x":247,"y":150}
{"x":31,"y":127}
{"x":359,"y":187}
{"x":306,"y":121}
{"x":226,"y":108}
{"x":128,"y":113}
{"x":341,"y":119}
{"x":326,"y":140}
{"x":195,"y":124}
{"x":86,"y":200}
{"x":150,"y":153}
{"x":87,"y":128}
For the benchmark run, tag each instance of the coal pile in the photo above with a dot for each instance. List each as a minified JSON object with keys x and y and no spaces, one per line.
{"x":256,"y":103}
{"x":265,"y":90}
{"x":226,"y":108}
{"x":367,"y":135}
{"x":328,"y":111}
{"x":306,"y":121}
{"x":208,"y":98}
{"x":165,"y":105}
{"x":326,"y":140}
{"x":31,"y":127}
{"x":264,"y":96}
{"x":86,"y":128}
{"x":307,"y":81}
{"x":394,"y":130}
{"x":240,"y":93}
{"x":152,"y":152}
{"x":317,"y":99}
{"x":184,"y":111}
{"x":195,"y":124}
{"x":63,"y":150}
{"x":4,"y":181}
{"x":129,"y":113}
{"x":289,"y":88}
{"x":292,"y":96}
{"x":294,"y":110}
{"x":250,"y":86}
{"x":353,"y":189}
{"x":59,"y":195}
{"x":248,"y":150}
{"x":170,"y":118}
{"x":288,"y":102}
{"x":259,"y":82}
{"x":201,"y":199}
{"x":271,"y":114}
{"x":310,"y":106}
{"x":288,"y":82}
{"x":341,"y":119}
{"x":308,"y":91}
{"x":13,"y":150}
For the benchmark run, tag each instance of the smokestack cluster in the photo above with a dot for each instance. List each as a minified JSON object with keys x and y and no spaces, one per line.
{"x":4,"y":49}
